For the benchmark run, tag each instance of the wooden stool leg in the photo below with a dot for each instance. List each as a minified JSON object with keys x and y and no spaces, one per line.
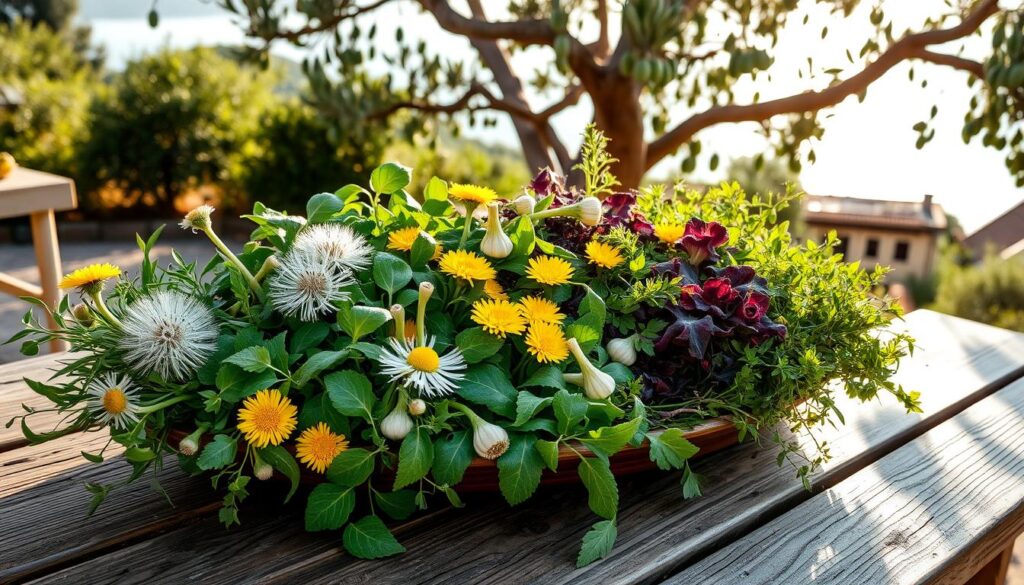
{"x":994,"y":573}
{"x":44,"y":238}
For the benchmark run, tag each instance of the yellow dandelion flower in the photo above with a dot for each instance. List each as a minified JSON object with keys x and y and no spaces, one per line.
{"x":546,"y":342}
{"x":267,"y":418}
{"x":472,"y":193}
{"x":549,"y":270}
{"x":538,"y":309}
{"x":317,"y":447}
{"x":669,"y":232}
{"x":494,"y":290}
{"x":499,"y":317}
{"x":403,"y":239}
{"x":90,"y":275}
{"x":467,"y":265}
{"x":603,"y":255}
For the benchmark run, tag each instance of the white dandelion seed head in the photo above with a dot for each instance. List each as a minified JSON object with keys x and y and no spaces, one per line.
{"x":113,"y":400}
{"x":440,"y":380}
{"x":338,"y":244}
{"x":198,"y":218}
{"x":307,"y":286}
{"x":169,"y":333}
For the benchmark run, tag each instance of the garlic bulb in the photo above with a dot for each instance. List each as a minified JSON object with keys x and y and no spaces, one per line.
{"x":596,"y":384}
{"x":622,"y":350}
{"x":496,"y":244}
{"x":524,"y":204}
{"x":590,"y":211}
{"x":489,"y":440}
{"x":397,"y":424}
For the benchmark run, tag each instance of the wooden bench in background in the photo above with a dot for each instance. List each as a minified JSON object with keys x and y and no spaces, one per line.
{"x":934,"y":497}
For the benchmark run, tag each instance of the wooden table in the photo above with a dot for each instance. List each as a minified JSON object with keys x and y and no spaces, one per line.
{"x":38,"y":195}
{"x":936,"y":497}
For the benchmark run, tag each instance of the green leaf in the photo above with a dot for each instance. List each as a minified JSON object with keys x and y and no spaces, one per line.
{"x":308,"y":335}
{"x":477,"y":344}
{"x":610,"y":440}
{"x":352,"y":467}
{"x":368,"y":538}
{"x":597,"y":477}
{"x":620,"y":373}
{"x":690,"y":482}
{"x":669,"y":450}
{"x":570,"y":409}
{"x":220,"y":452}
{"x":322,"y":206}
{"x":415,"y":457}
{"x":390,"y":272}
{"x":359,"y":321}
{"x":519,"y":469}
{"x":593,"y":304}
{"x":280,"y":459}
{"x":528,"y":405}
{"x":421,"y":252}
{"x":350,"y":393}
{"x":487,"y":385}
{"x":329,"y":506}
{"x":398,"y":505}
{"x":235,"y":383}
{"x":597,"y":542}
{"x":436,"y":190}
{"x":251,"y":359}
{"x":452,"y":455}
{"x":545,"y":377}
{"x":317,"y":363}
{"x":390,"y":178}
{"x":585,"y":332}
{"x":548,"y":452}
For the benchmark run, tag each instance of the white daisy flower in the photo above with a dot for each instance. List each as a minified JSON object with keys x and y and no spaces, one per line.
{"x":306,"y":286}
{"x":169,"y":333}
{"x":421,"y":367}
{"x":113,"y":400}
{"x":338,"y":244}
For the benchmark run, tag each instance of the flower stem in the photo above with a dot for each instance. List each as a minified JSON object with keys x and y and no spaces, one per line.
{"x":473,"y":418}
{"x":101,"y":307}
{"x":162,"y":405}
{"x":227,"y":253}
{"x":566,"y":210}
{"x":467,"y":227}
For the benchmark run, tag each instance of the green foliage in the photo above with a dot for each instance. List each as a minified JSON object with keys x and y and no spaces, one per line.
{"x":462,"y":161}
{"x":991,"y":292}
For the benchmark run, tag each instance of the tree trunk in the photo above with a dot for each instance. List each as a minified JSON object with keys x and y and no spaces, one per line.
{"x":618,"y":114}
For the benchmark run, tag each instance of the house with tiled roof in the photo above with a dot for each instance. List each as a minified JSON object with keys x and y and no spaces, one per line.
{"x":1003,"y":235}
{"x":903,"y":235}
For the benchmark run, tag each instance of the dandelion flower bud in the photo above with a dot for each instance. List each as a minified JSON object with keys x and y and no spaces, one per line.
{"x":262,"y":470}
{"x":622,"y":350}
{"x":489,"y":440}
{"x":83,"y":315}
{"x":417,"y":407}
{"x":189,"y":446}
{"x":397,"y":424}
{"x":596,"y":384}
{"x":525,"y":204}
{"x":197,"y":219}
{"x":496,"y":243}
{"x":590,"y":211}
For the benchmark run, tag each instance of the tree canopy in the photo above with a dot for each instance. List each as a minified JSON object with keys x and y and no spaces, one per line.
{"x":637,"y":59}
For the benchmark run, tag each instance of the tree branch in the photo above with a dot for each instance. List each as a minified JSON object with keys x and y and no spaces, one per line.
{"x":526,"y":32}
{"x":296,"y":35}
{"x":909,"y":47}
{"x":972,"y":67}
{"x":572,"y":97}
{"x":602,"y":46}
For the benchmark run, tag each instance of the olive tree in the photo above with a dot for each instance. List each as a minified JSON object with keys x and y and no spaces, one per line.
{"x":635,"y":59}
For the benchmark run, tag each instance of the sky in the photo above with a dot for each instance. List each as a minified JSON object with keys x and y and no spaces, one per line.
{"x":867,"y":150}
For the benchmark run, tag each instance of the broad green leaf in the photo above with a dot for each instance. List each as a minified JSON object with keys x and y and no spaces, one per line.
{"x":452,"y":455}
{"x":545,"y":377}
{"x":519,"y":469}
{"x":669,"y":450}
{"x":528,"y":405}
{"x":220,"y":452}
{"x":329,"y":506}
{"x":436,"y":190}
{"x":597,"y":477}
{"x":390,"y":272}
{"x":421,"y":252}
{"x":322,"y":206}
{"x":610,"y":440}
{"x":477,"y":344}
{"x":487,"y":385}
{"x":585,"y":332}
{"x":317,"y":363}
{"x":593,"y":304}
{"x":690,"y":482}
{"x":398,"y":505}
{"x":318,"y":409}
{"x":235,"y":383}
{"x":280,"y":459}
{"x":548,"y":452}
{"x":350,"y":393}
{"x":251,"y":359}
{"x":308,"y":335}
{"x":597,"y":542}
{"x":369,"y":538}
{"x":620,"y":373}
{"x":390,"y":178}
{"x":570,"y":409}
{"x":415,"y":457}
{"x":352,"y":467}
{"x":359,"y":321}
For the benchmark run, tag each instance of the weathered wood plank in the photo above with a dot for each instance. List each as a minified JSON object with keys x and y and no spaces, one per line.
{"x":14,"y":392}
{"x":936,"y":510}
{"x":958,"y":362}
